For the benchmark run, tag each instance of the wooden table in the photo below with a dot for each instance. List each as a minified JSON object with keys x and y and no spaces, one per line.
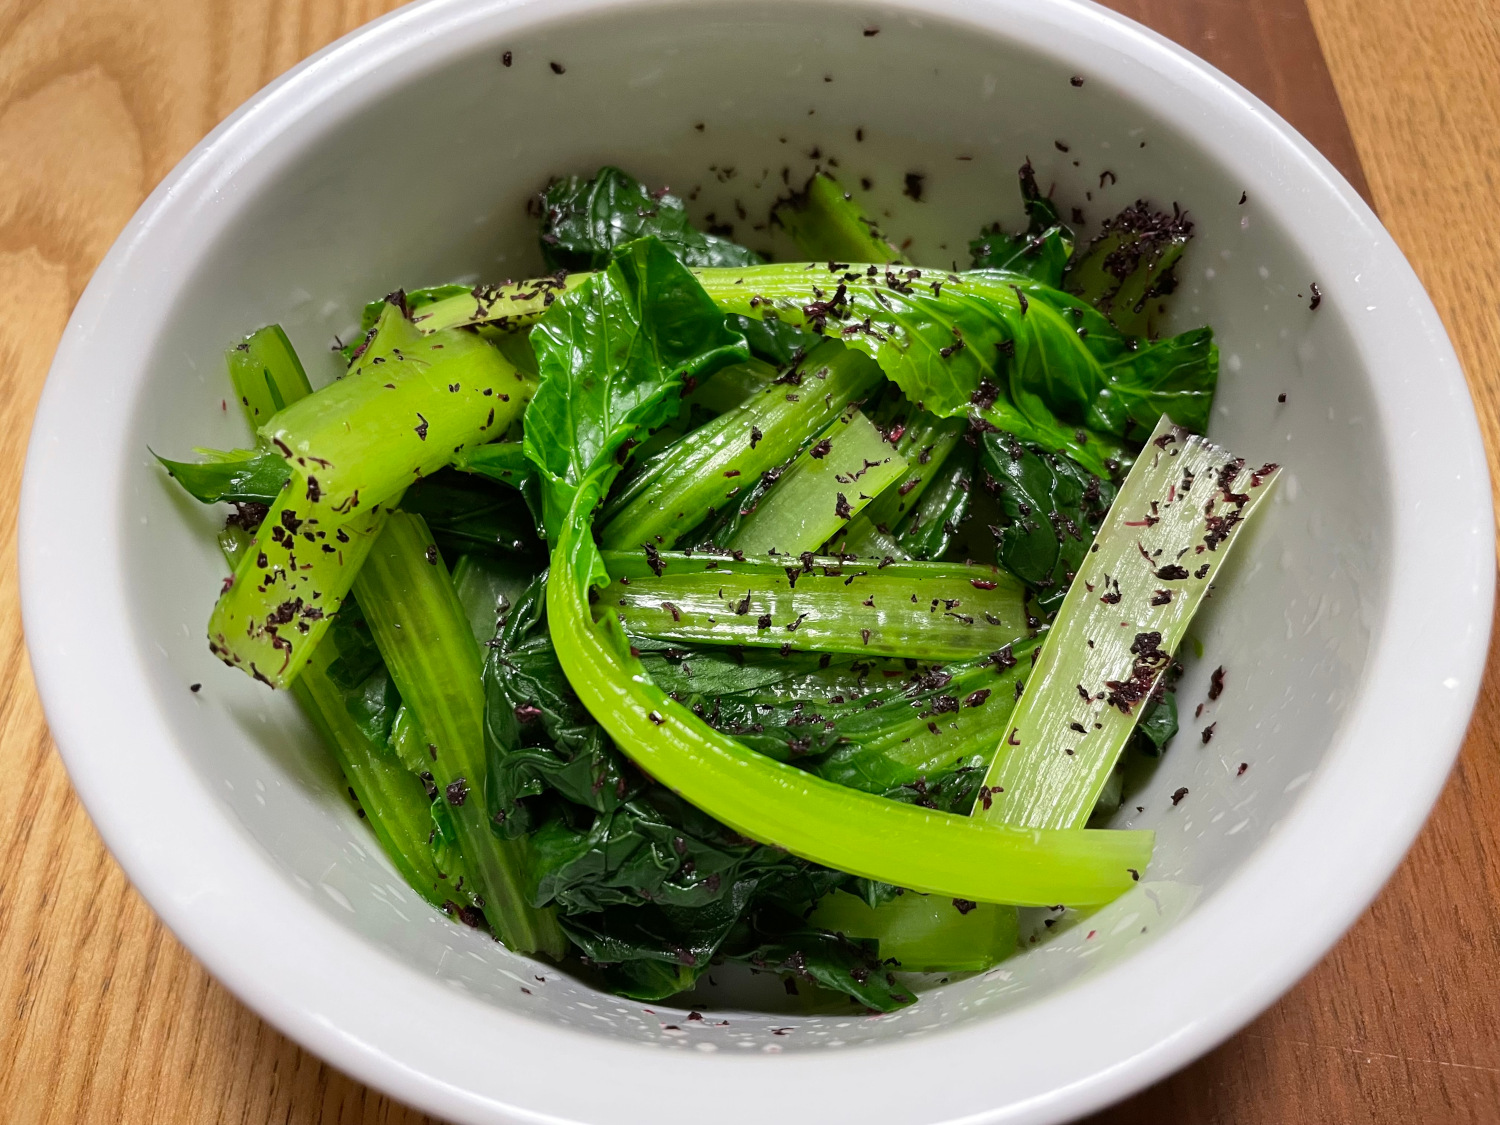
{"x":104,"y":1017}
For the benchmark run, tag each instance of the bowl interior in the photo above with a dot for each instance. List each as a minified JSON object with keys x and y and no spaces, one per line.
{"x":429,"y":183}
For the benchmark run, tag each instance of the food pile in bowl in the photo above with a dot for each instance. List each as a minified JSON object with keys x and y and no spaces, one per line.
{"x":678,"y":607}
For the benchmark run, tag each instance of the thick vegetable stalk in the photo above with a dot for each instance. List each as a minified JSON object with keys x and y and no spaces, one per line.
{"x":391,"y":797}
{"x":425,"y":638}
{"x":408,"y":405}
{"x":498,"y":306}
{"x":1153,"y":562}
{"x":925,"y":933}
{"x":266,"y":373}
{"x":713,"y":466}
{"x":1130,"y":264}
{"x":825,"y":487}
{"x":927,"y":532}
{"x":925,"y":443}
{"x":934,"y":611}
{"x":780,"y":804}
{"x":288,"y":585}
{"x":827,"y":225}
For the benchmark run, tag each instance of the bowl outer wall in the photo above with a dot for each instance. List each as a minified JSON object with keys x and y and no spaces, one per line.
{"x":454,"y":1056}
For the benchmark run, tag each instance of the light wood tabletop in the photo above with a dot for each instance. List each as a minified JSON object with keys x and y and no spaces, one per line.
{"x":104,"y":1017}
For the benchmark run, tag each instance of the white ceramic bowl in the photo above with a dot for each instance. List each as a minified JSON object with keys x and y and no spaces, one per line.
{"x":1353,"y":625}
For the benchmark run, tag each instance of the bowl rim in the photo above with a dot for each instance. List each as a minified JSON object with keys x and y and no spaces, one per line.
{"x":1208,"y":976}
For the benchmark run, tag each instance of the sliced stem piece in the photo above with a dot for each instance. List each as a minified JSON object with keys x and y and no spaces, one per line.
{"x":824,"y":488}
{"x":827,"y":225}
{"x":425,"y":637}
{"x":925,"y":441}
{"x":266,"y":373}
{"x":394,"y":801}
{"x":710,"y":467}
{"x":925,"y":933}
{"x":288,"y":585}
{"x":498,"y":306}
{"x":927,"y":532}
{"x":1177,"y":516}
{"x":934,"y":611}
{"x":408,"y":405}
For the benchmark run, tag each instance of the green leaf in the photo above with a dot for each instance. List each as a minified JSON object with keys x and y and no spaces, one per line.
{"x":250,"y":478}
{"x":613,"y":355}
{"x":585,"y":220}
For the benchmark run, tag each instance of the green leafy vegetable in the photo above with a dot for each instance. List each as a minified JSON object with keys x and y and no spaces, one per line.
{"x":709,"y":469}
{"x":241,"y":476}
{"x":1040,"y":252}
{"x":824,"y":487}
{"x":1049,"y":511}
{"x":1176,"y":517}
{"x":408,"y":404}
{"x":922,"y":610}
{"x":826,"y":223}
{"x":928,"y":532}
{"x":425,"y":638}
{"x":586,"y":220}
{"x":605,"y":352}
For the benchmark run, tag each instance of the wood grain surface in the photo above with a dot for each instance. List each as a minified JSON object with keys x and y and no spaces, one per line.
{"x":105,"y":1018}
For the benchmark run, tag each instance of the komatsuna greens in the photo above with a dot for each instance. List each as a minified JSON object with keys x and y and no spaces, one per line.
{"x":678,"y":608}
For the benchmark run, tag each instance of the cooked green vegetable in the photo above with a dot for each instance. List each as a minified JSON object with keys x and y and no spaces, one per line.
{"x":1040,"y":252}
{"x":1171,"y":527}
{"x":825,"y":486}
{"x":928,"y":532}
{"x":425,"y":639}
{"x":239,"y":476}
{"x":923,"y":610}
{"x":409,"y":403}
{"x":1049,"y":511}
{"x":711,"y":468}
{"x":924,"y":442}
{"x":288,"y":584}
{"x":755,"y":796}
{"x":696,"y":740}
{"x":266,"y":373}
{"x":1130,"y":266}
{"x":604,"y":351}
{"x":585,"y":220}
{"x":826,"y":224}
{"x":924,"y":933}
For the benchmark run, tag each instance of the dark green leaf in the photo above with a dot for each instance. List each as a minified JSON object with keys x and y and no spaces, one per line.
{"x":256,"y":477}
{"x":585,"y":220}
{"x":1050,"y":509}
{"x":611,"y":354}
{"x":468,"y":513}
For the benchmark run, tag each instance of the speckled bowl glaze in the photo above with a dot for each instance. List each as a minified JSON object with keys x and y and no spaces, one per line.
{"x":404,"y":155}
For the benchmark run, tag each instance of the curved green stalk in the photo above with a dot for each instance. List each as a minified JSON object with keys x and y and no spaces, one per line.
{"x":428,"y":645}
{"x":779,"y":804}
